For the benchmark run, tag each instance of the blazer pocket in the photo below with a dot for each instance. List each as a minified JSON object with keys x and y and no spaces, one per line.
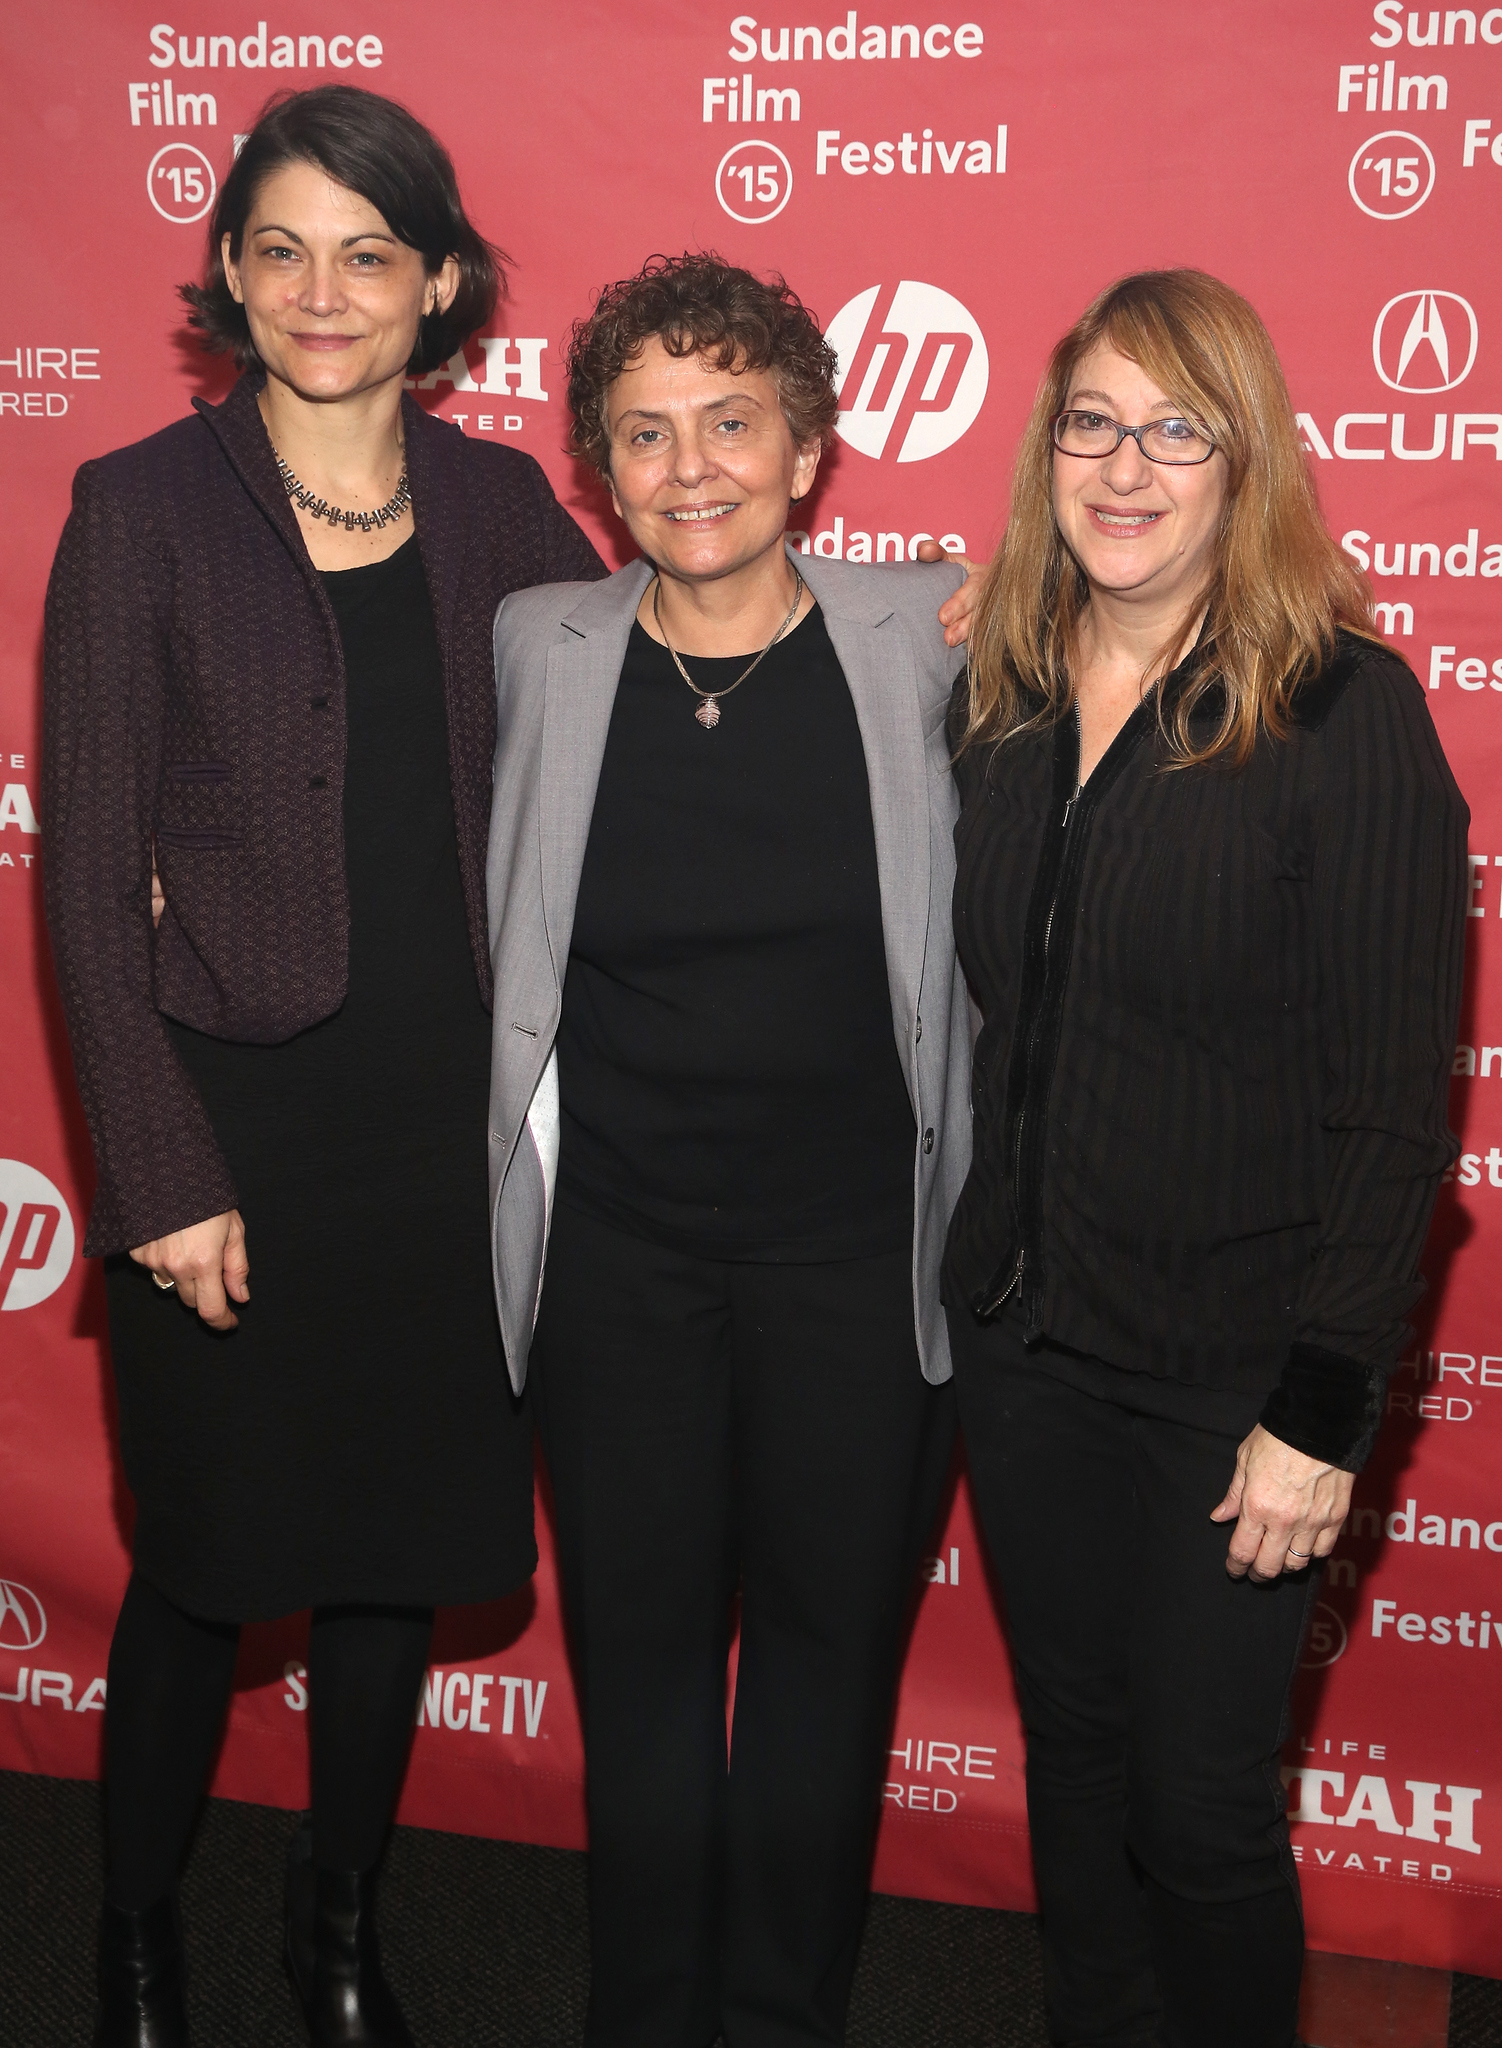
{"x":195,"y":839}
{"x":935,"y":717}
{"x":198,"y":771}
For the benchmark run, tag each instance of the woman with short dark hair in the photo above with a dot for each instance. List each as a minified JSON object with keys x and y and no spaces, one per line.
{"x":1211,"y":901}
{"x":729,"y":1105}
{"x":268,"y":678}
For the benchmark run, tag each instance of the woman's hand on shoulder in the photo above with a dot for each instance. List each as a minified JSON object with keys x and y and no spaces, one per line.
{"x":207,"y":1265}
{"x":954,"y":616}
{"x":1288,"y":1508}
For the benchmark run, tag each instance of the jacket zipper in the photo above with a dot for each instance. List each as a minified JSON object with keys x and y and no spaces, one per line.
{"x":993,"y":1302}
{"x":1053,"y":906}
{"x":1078,"y":811}
{"x":999,"y":1296}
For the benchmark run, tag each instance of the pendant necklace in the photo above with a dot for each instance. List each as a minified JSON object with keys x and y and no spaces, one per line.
{"x":708,"y":709}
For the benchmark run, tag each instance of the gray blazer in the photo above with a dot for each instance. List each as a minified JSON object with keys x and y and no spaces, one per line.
{"x":558,"y":656}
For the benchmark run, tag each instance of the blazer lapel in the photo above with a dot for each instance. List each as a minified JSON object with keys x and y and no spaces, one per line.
{"x":583,"y":669}
{"x":241,"y":432}
{"x":440,"y":510}
{"x":883,"y":681}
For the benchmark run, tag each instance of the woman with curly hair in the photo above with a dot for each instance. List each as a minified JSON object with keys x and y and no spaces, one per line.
{"x":1211,"y":900}
{"x":729,"y":1104}
{"x":268,"y":672}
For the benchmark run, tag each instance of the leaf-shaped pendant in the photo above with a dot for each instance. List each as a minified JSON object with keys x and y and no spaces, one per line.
{"x":708,"y":714}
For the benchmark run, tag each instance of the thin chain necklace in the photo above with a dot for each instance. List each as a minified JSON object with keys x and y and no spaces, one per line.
{"x":320,"y":508}
{"x":708,"y":710}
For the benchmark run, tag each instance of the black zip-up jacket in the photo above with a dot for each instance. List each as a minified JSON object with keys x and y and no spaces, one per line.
{"x":1219,"y":1020}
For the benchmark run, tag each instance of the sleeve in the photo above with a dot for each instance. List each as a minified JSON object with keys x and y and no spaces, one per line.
{"x":1389,"y":891}
{"x":104,"y":674}
{"x":568,"y":554}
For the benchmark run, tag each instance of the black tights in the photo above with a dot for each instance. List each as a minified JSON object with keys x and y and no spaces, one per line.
{"x":169,"y":1689}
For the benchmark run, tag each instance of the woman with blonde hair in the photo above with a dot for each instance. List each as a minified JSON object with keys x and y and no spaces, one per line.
{"x":1210,"y":898}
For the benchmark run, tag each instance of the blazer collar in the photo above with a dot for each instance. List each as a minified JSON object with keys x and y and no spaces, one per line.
{"x":584,"y":663}
{"x":605,"y":606}
{"x":241,"y":432}
{"x":840,"y":595}
{"x":881,"y":675}
{"x":440,"y":505}
{"x":843,"y":593}
{"x":434,"y":465}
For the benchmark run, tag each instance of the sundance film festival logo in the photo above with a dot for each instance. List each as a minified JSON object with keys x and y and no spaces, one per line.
{"x":180,"y":183}
{"x":23,"y":1619}
{"x":36,"y":1236}
{"x":913,"y":370}
{"x":1391,"y":175}
{"x":754,"y":181}
{"x":1423,"y":335}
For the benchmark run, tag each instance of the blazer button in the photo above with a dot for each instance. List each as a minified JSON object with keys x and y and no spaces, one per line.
{"x":928,"y":1139}
{"x":319,"y":703}
{"x":318,"y":782}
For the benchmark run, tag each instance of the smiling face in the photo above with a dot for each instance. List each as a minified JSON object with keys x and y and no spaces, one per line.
{"x":702,"y":463}
{"x":1139,"y":529}
{"x":332,"y":297}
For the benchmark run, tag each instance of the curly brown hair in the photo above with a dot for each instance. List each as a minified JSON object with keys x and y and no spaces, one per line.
{"x":698,"y":304}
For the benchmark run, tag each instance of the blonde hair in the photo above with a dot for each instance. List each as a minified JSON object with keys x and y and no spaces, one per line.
{"x":1278,"y":588}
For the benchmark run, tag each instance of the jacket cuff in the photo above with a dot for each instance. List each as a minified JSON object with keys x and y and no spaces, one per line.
{"x":120,"y":1219}
{"x":1328,"y":1406}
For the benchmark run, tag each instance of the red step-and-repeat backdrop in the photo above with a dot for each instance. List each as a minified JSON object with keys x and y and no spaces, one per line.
{"x":947,"y":193}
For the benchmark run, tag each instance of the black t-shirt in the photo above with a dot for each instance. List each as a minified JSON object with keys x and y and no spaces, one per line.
{"x":728,"y":1067}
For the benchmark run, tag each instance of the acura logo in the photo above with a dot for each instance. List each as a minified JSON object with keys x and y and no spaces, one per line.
{"x":23,"y":1620}
{"x":1425,"y":342}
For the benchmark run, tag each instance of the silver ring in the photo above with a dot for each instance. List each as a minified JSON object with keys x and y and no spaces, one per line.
{"x":167,"y":1286}
{"x":1299,"y":1553}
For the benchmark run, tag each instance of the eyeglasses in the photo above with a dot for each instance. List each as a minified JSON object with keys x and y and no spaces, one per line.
{"x":1093,"y":435}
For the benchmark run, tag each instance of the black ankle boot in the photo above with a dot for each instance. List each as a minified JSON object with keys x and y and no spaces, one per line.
{"x":141,"y":1979}
{"x":333,"y":1959}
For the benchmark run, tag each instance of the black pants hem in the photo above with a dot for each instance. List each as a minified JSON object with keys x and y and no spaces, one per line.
{"x":1154,"y":1692}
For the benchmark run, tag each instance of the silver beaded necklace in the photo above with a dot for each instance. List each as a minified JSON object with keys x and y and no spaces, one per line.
{"x":320,"y":508}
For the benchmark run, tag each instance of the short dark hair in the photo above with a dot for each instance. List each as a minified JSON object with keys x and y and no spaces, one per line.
{"x":375,"y":148}
{"x":698,"y":304}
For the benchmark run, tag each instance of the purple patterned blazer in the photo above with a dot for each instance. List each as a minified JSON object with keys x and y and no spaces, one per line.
{"x":194,"y":704}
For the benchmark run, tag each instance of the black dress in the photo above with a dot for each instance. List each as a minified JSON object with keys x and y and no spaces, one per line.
{"x":355,"y":1439}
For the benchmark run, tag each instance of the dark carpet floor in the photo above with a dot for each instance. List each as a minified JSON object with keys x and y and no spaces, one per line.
{"x":485,"y":1942}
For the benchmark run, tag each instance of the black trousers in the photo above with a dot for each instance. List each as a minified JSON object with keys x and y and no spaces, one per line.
{"x":1154,"y":1691}
{"x":710,"y":1424}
